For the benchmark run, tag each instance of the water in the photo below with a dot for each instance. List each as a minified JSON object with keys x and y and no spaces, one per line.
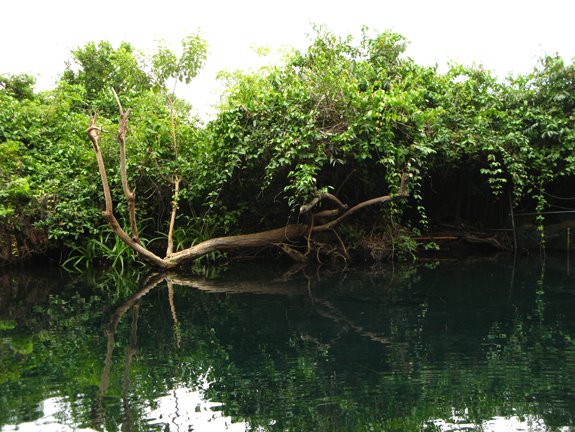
{"x":480,"y":345}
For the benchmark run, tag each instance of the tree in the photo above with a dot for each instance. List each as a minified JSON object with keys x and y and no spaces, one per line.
{"x":319,"y":221}
{"x":19,"y":87}
{"x":328,"y":219}
{"x":99,"y":67}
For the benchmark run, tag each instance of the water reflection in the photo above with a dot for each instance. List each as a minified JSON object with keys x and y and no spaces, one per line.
{"x":184,"y":407}
{"x":495,"y":424}
{"x":484,"y":346}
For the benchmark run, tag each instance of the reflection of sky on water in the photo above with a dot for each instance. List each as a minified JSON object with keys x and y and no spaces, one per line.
{"x":496,"y":424}
{"x":181,"y":409}
{"x":185,"y":409}
{"x":54,"y":411}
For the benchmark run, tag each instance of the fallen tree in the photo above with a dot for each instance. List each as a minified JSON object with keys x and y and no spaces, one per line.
{"x":285,"y":237}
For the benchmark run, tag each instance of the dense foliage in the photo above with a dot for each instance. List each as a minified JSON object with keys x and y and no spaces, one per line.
{"x":343,"y":116}
{"x":351,"y":118}
{"x":50,"y":188}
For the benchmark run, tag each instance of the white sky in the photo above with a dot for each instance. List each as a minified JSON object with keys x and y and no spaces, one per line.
{"x":505,"y":36}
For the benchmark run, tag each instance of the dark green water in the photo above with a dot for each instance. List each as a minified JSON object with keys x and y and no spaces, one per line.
{"x":478,"y":345}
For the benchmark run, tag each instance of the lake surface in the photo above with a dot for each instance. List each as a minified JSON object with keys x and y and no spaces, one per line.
{"x":485,"y":344}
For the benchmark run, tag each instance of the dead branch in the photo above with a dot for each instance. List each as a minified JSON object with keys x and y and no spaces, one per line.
{"x":176,"y":181}
{"x":320,"y":197}
{"x":288,"y":234}
{"x":403,"y":192}
{"x":295,"y":255}
{"x":93,"y":132}
{"x":490,"y":241}
{"x":170,"y":248}
{"x":326,"y":214}
{"x":343,"y":248}
{"x":436,"y":238}
{"x":129,"y":194}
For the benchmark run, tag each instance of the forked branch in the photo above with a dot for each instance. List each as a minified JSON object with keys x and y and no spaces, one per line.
{"x":402,"y":193}
{"x":94,"y":132}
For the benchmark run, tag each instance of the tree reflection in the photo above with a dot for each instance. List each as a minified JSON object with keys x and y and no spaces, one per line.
{"x":391,"y":350}
{"x":131,"y":303}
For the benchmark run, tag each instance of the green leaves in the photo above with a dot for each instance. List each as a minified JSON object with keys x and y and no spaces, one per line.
{"x":303,"y":184}
{"x":20,"y":87}
{"x":322,"y":115}
{"x":97,"y":67}
{"x":166,"y":63}
{"x":193,"y":58}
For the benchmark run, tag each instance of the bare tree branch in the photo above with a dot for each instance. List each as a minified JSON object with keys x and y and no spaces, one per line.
{"x":170,"y":248}
{"x":403,"y":192}
{"x":176,"y":181}
{"x":130,"y":195}
{"x":93,"y":132}
{"x":262,"y":239}
{"x":320,"y":197}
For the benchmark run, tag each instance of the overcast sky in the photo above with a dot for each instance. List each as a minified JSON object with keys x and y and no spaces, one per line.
{"x":506,"y":36}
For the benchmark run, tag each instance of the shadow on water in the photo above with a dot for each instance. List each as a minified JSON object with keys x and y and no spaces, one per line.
{"x":483,"y":344}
